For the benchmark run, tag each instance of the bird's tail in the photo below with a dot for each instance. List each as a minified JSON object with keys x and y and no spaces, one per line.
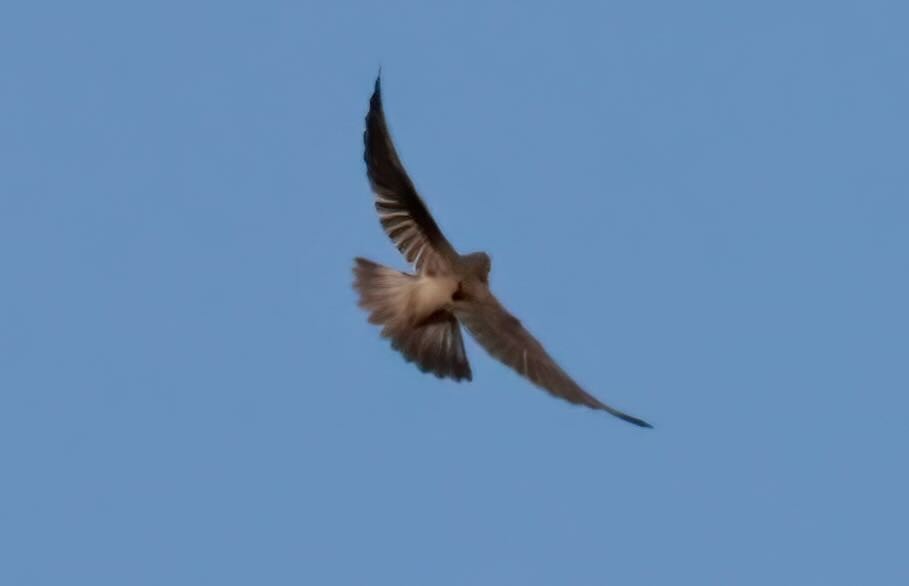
{"x":392,"y":299}
{"x":385,"y":293}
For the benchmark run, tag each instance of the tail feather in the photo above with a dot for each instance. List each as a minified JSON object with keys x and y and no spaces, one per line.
{"x":435,"y":344}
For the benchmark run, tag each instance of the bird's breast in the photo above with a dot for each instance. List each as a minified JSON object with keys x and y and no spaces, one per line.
{"x":433,"y":293}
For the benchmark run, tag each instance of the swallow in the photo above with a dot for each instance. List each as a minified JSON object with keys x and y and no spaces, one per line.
{"x":422,"y":313}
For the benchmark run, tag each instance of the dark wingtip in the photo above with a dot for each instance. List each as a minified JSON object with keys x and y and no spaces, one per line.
{"x":377,"y":89}
{"x":636,"y":421}
{"x":374,"y":117}
{"x":628,"y":418}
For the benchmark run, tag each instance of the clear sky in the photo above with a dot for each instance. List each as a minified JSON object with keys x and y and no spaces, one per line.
{"x":701,"y":209}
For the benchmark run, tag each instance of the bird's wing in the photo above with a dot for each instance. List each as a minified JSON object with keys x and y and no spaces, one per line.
{"x":503,"y":336}
{"x":435,"y":346}
{"x":403,"y":214}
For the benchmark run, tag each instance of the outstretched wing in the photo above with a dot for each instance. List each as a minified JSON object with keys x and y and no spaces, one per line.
{"x":403,"y":214}
{"x":503,"y":336}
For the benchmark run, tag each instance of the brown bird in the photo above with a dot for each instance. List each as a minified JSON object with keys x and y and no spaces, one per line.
{"x":421,"y":314}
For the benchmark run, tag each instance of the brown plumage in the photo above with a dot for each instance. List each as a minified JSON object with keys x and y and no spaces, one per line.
{"x":421,"y":314}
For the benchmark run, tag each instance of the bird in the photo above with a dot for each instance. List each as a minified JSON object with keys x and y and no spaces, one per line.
{"x":422,"y":313}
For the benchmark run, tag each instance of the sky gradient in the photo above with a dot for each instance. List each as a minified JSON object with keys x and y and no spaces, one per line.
{"x":189,"y":394}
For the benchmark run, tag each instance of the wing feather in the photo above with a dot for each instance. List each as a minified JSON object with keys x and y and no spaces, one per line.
{"x":404,"y":216}
{"x":435,"y":346}
{"x":503,"y":336}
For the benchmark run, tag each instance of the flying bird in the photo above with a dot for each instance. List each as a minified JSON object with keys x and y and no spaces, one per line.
{"x":422,"y":313}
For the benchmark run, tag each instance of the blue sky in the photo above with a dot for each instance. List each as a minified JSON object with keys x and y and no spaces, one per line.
{"x":700,"y":208}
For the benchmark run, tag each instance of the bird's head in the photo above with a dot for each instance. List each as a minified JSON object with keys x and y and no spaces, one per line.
{"x":479,"y":264}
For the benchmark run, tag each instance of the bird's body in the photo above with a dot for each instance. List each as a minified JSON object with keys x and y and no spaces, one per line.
{"x":434,"y":293}
{"x":422,"y":313}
